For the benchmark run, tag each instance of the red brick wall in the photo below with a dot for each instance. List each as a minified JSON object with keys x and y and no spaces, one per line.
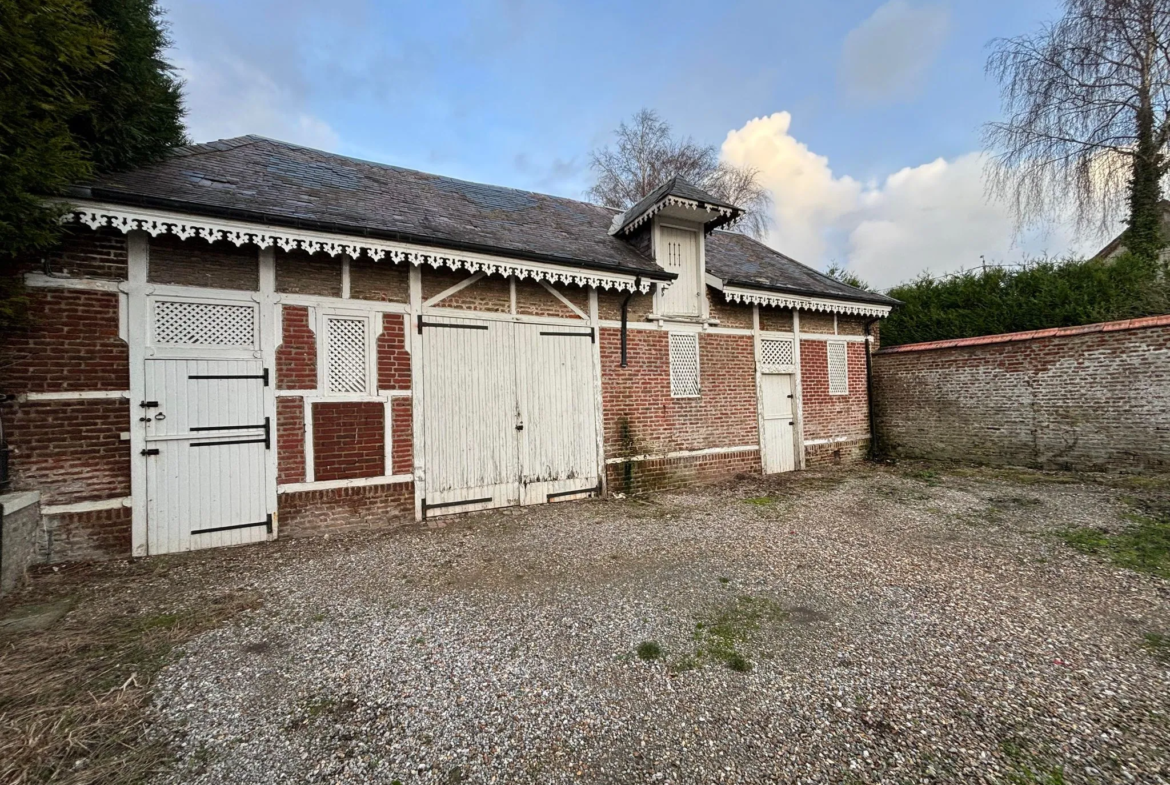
{"x":341,"y":509}
{"x":296,"y":357}
{"x":71,"y":451}
{"x":86,"y":536}
{"x":393,"y":359}
{"x":290,"y":440}
{"x":84,"y":253}
{"x":1086,"y":401}
{"x":833,"y":416}
{"x":348,"y":440}
{"x":671,"y":473}
{"x":641,"y":417}
{"x":401,"y":430}
{"x":72,"y":345}
{"x":300,"y":272}
{"x":196,"y":262}
{"x":532,"y":299}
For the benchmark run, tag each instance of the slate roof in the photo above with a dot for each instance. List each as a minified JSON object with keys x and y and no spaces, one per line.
{"x":261,"y":179}
{"x":675,"y":186}
{"x":738,"y":259}
{"x":257,"y":179}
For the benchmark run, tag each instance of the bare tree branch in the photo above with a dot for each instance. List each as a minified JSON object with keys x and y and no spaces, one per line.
{"x":647,"y":155}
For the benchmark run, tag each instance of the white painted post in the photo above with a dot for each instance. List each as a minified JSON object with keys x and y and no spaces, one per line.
{"x":595,"y":325}
{"x":138,"y":265}
{"x":414,"y":340}
{"x":799,"y":389}
{"x":270,"y":336}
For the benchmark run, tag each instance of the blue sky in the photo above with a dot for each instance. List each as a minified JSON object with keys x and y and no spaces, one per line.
{"x":871,"y":111}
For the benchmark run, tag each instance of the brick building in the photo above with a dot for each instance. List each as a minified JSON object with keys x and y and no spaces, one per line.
{"x":254,"y":338}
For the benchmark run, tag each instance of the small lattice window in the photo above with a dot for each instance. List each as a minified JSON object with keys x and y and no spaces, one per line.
{"x":684,"y":365}
{"x":182,"y":323}
{"x":838,"y":369}
{"x":347,"y":355}
{"x":777,"y":353}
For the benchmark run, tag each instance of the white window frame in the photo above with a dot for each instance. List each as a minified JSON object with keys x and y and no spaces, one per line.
{"x":373,"y":329}
{"x":843,"y":348}
{"x":698,"y":368}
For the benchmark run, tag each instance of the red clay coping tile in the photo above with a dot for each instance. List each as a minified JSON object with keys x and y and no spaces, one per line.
{"x":1053,"y":332}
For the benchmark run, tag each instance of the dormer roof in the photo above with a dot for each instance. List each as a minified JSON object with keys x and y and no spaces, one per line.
{"x":711,"y":211}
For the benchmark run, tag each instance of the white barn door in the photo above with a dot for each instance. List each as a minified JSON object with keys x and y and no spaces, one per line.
{"x":206,"y":453}
{"x":558,"y":444}
{"x":508,"y":413}
{"x":779,"y":431}
{"x":470,"y":415}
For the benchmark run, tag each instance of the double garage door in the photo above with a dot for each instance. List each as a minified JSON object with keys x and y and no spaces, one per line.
{"x":509,"y":413}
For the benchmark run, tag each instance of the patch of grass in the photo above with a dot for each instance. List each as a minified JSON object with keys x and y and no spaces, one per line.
{"x":649,"y":650}
{"x":1028,"y":768}
{"x":74,"y":695}
{"x":1157,"y":645}
{"x":760,"y":501}
{"x":724,"y":580}
{"x":928,"y":476}
{"x":1143,"y":545}
{"x":733,"y":624}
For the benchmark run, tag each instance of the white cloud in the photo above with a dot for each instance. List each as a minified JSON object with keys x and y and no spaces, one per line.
{"x":886,"y":56}
{"x":227,"y":96}
{"x":934,"y":217}
{"x":805,"y":194}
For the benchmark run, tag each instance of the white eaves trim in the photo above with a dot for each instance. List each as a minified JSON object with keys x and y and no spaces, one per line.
{"x":662,"y":204}
{"x":155,"y":222}
{"x":737,"y":294}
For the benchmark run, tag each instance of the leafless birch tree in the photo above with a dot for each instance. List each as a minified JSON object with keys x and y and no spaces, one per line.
{"x":1087,"y":117}
{"x":647,"y":155}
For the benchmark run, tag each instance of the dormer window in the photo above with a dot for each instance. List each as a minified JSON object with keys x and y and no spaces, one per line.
{"x":679,"y":254}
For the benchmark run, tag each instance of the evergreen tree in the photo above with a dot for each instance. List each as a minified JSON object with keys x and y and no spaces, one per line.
{"x":135,"y":114}
{"x":83,"y":89}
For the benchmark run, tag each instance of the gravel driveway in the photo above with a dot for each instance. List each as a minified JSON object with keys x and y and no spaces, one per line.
{"x":874,"y":625}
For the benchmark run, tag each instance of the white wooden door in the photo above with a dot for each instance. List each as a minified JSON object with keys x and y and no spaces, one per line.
{"x":470,"y":415}
{"x":779,"y":435}
{"x":680,"y":254}
{"x":557,"y":395}
{"x":206,"y":443}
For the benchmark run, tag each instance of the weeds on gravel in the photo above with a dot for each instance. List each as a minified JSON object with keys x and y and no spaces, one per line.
{"x":1143,"y":545}
{"x":1158,"y":645}
{"x":718,"y":638}
{"x":759,"y":501}
{"x":72,"y":696}
{"x":649,"y":650}
{"x":1028,"y":768}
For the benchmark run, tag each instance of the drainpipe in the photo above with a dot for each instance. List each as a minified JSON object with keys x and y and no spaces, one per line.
{"x":869,"y":390}
{"x":625,"y":312}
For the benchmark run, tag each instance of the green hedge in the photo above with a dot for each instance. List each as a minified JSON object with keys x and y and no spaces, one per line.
{"x":1041,"y":295}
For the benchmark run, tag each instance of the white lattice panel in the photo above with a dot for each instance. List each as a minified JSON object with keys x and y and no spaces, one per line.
{"x":684,"y":364}
{"x":776,"y":353}
{"x":838,"y":369}
{"x":184,"y":323}
{"x":347,"y":355}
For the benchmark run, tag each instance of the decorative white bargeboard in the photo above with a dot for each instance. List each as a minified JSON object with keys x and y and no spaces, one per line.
{"x":158,"y":222}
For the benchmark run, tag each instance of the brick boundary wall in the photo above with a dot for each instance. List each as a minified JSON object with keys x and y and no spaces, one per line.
{"x":1094,"y":397}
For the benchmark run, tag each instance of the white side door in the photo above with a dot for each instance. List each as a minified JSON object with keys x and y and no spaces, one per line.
{"x":558,"y":442}
{"x":206,"y":453}
{"x":470,"y":418}
{"x":779,"y":436}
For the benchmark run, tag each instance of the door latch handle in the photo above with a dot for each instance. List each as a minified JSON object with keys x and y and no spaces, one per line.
{"x":520,"y":427}
{"x":152,"y":451}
